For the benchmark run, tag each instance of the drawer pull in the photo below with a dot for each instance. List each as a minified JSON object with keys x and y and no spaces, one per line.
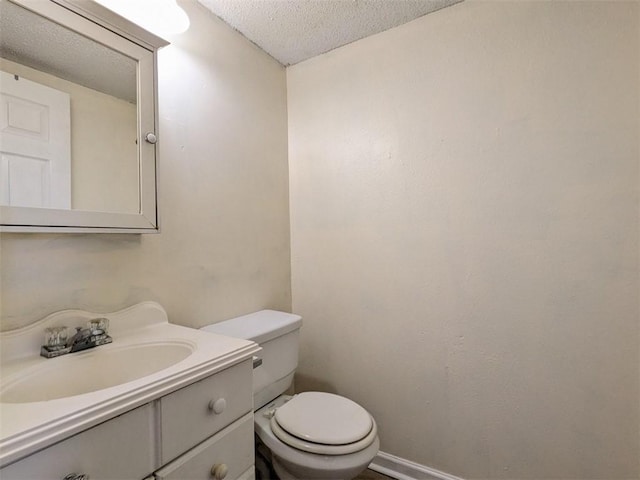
{"x":219,"y":471}
{"x":76,"y":476}
{"x":218,"y":406}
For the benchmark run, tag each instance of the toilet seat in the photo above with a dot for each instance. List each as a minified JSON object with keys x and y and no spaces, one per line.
{"x":323,"y":423}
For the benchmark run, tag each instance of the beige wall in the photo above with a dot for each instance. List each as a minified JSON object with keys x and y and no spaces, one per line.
{"x":464,"y":216}
{"x":223,"y":249}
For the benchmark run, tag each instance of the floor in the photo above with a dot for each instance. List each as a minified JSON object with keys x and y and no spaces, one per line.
{"x":371,"y":475}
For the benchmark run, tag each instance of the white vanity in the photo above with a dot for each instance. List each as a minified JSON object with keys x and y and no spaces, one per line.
{"x":124,"y":418}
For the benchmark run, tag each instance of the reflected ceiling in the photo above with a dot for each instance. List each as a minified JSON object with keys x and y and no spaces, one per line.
{"x":36,"y":42}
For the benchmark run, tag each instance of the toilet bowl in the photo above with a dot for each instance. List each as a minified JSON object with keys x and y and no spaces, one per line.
{"x":311,"y":435}
{"x":300,"y":458}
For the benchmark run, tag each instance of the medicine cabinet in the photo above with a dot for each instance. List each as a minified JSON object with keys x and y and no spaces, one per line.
{"x":78,"y":119}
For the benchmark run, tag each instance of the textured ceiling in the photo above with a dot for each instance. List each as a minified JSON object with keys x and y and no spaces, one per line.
{"x":36,"y":42}
{"x":295,"y":30}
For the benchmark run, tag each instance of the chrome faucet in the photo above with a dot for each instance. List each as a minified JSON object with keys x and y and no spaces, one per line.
{"x":83,"y":338}
{"x":56,"y":342}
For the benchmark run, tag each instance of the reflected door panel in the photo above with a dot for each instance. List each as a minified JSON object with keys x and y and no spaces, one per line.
{"x":35,"y":144}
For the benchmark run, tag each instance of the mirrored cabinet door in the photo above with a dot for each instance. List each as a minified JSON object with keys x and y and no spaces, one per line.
{"x":78,"y":125}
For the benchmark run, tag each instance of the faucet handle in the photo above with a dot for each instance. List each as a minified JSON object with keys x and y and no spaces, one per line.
{"x":55,"y":337}
{"x":101,"y":324}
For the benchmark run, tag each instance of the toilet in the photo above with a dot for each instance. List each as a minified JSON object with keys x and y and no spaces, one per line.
{"x":311,"y":435}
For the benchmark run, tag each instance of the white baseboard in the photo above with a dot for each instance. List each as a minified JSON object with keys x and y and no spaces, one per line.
{"x":402,"y":469}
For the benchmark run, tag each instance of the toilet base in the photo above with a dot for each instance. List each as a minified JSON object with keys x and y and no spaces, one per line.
{"x":281,"y":472}
{"x":284,"y":474}
{"x":269,"y":468}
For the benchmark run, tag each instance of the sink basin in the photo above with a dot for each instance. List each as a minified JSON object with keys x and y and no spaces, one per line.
{"x":92,"y":370}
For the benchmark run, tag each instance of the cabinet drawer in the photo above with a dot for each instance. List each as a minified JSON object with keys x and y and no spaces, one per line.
{"x":118,"y":448}
{"x":231,"y":447}
{"x":194,"y":413}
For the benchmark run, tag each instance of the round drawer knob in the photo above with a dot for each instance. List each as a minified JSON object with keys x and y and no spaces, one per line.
{"x":151,"y":137}
{"x":219,"y":471}
{"x":218,"y":406}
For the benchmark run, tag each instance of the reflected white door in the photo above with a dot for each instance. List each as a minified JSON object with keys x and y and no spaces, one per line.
{"x":35,"y":144}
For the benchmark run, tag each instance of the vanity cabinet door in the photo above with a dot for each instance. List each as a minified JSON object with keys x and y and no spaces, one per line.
{"x":194,"y":413}
{"x":119,"y":448}
{"x":228,"y":455}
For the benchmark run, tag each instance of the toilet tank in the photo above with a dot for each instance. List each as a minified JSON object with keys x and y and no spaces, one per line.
{"x":277,"y":333}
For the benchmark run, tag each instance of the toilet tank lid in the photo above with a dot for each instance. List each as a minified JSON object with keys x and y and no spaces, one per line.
{"x":258,"y":327}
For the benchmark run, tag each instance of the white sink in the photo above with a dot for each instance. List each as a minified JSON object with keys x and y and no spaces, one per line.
{"x":45,"y":400}
{"x":91,"y":370}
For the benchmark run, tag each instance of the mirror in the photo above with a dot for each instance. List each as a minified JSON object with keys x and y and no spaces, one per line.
{"x":77,"y":101}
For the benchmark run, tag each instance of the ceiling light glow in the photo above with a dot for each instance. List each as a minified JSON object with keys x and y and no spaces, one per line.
{"x":161,"y":17}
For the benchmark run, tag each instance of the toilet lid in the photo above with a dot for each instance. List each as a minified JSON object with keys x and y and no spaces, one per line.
{"x":324,"y":423}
